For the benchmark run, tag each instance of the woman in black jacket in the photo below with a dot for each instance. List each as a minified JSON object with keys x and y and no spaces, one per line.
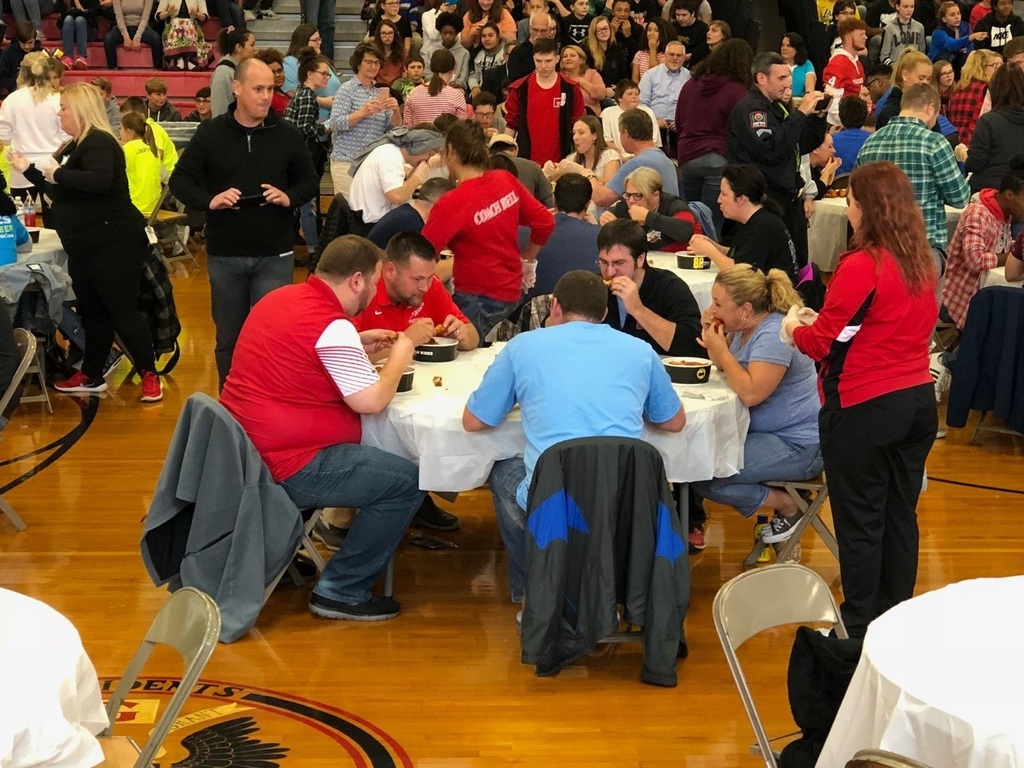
{"x":666,"y":219}
{"x":104,"y":236}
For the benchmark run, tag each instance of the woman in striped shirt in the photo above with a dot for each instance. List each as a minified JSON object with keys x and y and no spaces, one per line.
{"x":435,"y":98}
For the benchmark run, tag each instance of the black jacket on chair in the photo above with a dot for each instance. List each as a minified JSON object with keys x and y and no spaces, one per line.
{"x":603,"y":530}
{"x":988,"y":374}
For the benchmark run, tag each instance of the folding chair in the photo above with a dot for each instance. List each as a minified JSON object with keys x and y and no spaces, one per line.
{"x":36,"y":368}
{"x":176,"y":222}
{"x":877,"y":758}
{"x":759,"y":600}
{"x":811,"y":516}
{"x":25,"y":343}
{"x":189,"y":622}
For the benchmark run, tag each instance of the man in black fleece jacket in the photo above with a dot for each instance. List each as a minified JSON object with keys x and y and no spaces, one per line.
{"x":249,"y":169}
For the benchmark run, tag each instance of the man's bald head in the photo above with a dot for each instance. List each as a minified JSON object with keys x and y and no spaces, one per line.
{"x":253,"y":86}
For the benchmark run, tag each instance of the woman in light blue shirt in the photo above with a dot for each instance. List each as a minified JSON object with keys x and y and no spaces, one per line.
{"x":775,"y":381}
{"x":361,"y":114}
{"x":307,"y":36}
{"x":794,"y":51}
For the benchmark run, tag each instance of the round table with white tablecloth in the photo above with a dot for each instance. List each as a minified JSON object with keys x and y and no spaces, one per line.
{"x":50,"y":703}
{"x":997,"y":276}
{"x":699,"y":280}
{"x":826,"y":235}
{"x":425,"y":426}
{"x":940,"y":681}
{"x":47,"y":251}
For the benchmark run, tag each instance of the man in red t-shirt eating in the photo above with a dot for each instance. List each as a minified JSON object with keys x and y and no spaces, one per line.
{"x":542,"y":108}
{"x":408,"y":295}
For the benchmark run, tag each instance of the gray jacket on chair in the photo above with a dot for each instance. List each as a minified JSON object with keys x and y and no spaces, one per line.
{"x":218,"y":521}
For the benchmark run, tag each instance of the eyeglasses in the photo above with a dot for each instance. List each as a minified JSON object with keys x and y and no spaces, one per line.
{"x":202,"y":101}
{"x":316,"y":39}
{"x":324,"y":72}
{"x":371,"y":62}
{"x":612,"y":264}
{"x":635,"y":197}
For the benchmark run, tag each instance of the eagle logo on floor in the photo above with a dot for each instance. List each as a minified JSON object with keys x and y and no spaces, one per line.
{"x":233,"y":726}
{"x":229,"y":744}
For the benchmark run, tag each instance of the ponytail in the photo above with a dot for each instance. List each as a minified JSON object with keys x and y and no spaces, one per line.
{"x":781,"y":293}
{"x":442,"y":62}
{"x":138,"y":125}
{"x":773,"y":292}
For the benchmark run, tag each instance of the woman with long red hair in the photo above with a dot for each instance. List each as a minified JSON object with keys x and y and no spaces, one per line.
{"x":878,"y":418}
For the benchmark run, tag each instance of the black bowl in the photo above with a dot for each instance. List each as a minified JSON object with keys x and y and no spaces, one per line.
{"x":688,"y":370}
{"x":441,"y":350}
{"x":33,"y":232}
{"x":692,"y":261}
{"x":405,"y":383}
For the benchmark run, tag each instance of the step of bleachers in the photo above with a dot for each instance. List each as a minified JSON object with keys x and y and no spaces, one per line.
{"x":181,"y":86}
{"x":211,"y":27}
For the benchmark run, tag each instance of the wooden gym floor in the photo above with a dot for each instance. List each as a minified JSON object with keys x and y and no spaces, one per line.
{"x":442,"y":684}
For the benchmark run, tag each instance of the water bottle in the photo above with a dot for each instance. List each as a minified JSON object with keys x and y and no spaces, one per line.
{"x":760,"y":525}
{"x":30,"y":212}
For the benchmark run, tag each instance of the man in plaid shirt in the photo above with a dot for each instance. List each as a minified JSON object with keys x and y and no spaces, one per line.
{"x":924,"y":155}
{"x":981,"y":241}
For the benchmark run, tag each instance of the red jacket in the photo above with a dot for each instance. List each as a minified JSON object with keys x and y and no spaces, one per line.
{"x":871,"y":337}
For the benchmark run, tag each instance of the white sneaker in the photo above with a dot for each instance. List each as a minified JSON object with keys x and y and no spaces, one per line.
{"x":940,"y":375}
{"x":269,"y":14}
{"x":250,"y":15}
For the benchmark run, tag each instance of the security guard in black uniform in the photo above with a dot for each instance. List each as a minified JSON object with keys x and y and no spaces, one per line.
{"x":763,"y":132}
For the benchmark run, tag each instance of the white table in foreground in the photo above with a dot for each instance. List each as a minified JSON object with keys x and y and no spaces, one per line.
{"x":997,"y":276}
{"x":50,"y":703}
{"x":425,"y":426}
{"x":699,"y":280}
{"x":826,"y":235}
{"x":940,"y":681}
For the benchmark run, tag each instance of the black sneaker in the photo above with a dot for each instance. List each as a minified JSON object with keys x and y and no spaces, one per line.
{"x":374,"y":609}
{"x":429,"y":515}
{"x":780,"y":528}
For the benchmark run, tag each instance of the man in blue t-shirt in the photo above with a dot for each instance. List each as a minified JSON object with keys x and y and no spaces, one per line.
{"x":575,"y":378}
{"x":636,"y":137}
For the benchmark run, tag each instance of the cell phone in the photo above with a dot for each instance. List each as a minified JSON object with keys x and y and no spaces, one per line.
{"x":823,"y":103}
{"x":257,"y":199}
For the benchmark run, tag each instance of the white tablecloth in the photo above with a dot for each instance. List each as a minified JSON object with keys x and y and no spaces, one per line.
{"x":50,"y":704}
{"x":425,"y":426}
{"x":826,"y":237}
{"x":699,"y":280}
{"x":47,"y":251}
{"x":940,"y":681}
{"x":997,"y":276}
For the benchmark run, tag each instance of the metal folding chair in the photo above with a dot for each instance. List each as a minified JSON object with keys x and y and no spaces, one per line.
{"x":175,"y":222}
{"x":189,"y":622}
{"x":25,"y":343}
{"x":811,"y":516}
{"x":759,"y":600}
{"x":36,"y":368}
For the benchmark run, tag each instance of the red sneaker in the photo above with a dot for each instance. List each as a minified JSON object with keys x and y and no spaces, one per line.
{"x":152,"y":392}
{"x":696,"y":540}
{"x":79,"y":383}
{"x":80,"y":63}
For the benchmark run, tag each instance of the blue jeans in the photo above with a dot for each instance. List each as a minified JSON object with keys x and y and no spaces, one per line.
{"x":236,"y":284}
{"x":113,"y":38}
{"x":766,"y":457}
{"x":505,"y":478}
{"x":307,"y":220}
{"x":701,"y":180}
{"x":75,"y":30}
{"x":28,"y":10}
{"x":386,"y":490}
{"x":483,"y":312}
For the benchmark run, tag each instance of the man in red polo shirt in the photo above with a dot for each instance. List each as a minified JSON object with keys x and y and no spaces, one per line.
{"x":844,"y":73}
{"x":408,"y":295}
{"x":299,"y":380}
